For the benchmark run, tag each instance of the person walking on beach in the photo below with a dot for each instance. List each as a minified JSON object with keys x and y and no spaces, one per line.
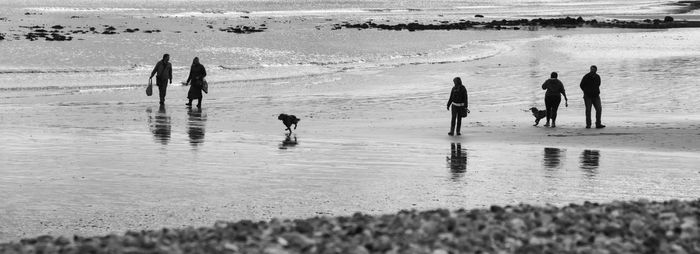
{"x":196,"y":81}
{"x":590,"y":85}
{"x":164,"y":71}
{"x":460,"y":105}
{"x":552,"y":98}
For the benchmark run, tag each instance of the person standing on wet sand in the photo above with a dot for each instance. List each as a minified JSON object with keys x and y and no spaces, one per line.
{"x":552,"y":98}
{"x":196,"y":81}
{"x":460,"y":105}
{"x":164,"y":71}
{"x":590,"y":85}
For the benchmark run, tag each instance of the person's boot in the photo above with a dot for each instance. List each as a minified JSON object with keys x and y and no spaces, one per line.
{"x":189,"y":103}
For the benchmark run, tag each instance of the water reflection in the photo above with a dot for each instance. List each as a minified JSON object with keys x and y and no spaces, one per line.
{"x":289,"y":141}
{"x":590,"y":160}
{"x":552,"y":158}
{"x":195,"y":126}
{"x":457,"y":162}
{"x":160,"y":125}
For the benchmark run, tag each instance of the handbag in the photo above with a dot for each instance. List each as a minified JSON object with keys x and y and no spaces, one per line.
{"x":463,"y":111}
{"x":205,"y":86}
{"x":149,"y":88}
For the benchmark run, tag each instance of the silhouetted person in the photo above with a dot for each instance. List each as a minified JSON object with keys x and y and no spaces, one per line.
{"x":460,"y":105}
{"x":590,"y":85}
{"x":195,"y":126}
{"x":196,"y":81}
{"x":457,"y":159}
{"x":161,"y":127}
{"x":590,"y":159}
{"x":552,"y":157}
{"x":164,"y":74}
{"x":552,"y":98}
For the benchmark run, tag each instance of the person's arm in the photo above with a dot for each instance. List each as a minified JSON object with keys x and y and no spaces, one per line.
{"x":563,"y":92}
{"x":544,"y":85}
{"x":583,"y":84}
{"x":155,"y":70}
{"x":204,"y":71}
{"x":170,"y":70}
{"x":466,"y":100}
{"x":449,"y":101}
{"x":189,"y":77}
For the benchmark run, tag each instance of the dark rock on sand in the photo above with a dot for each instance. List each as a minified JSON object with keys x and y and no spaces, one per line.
{"x":478,"y":16}
{"x":241,"y":29}
{"x":57,"y":27}
{"x":617,"y":227}
{"x":567,"y":22}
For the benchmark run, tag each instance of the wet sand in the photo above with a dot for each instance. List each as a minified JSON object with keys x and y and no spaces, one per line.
{"x":371,"y":140}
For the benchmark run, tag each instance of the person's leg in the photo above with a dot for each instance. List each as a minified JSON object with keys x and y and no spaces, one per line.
{"x":548,"y":108}
{"x":598,"y":111}
{"x":199,"y":102}
{"x":454,"y":120}
{"x":587,"y":102}
{"x":459,"y":122}
{"x":554,"y":102}
{"x":161,"y":93}
{"x":189,"y":103}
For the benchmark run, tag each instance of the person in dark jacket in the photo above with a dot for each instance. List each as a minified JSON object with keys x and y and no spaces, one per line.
{"x":165,"y":73}
{"x":196,"y":81}
{"x":459,"y":103}
{"x":590,"y":85}
{"x":552,"y":98}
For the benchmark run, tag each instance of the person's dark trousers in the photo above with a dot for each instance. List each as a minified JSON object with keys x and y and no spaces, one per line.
{"x":595,"y":102}
{"x":456,"y":119}
{"x":552,"y":105}
{"x":162,"y":88}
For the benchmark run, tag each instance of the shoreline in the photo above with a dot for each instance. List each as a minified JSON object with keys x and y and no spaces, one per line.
{"x":640,"y":226}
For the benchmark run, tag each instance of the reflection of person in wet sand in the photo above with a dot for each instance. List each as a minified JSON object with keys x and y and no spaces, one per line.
{"x":590,"y":160}
{"x":161,"y":126}
{"x":457,"y":160}
{"x":552,"y":157}
{"x":195,"y":126}
{"x":289,"y":141}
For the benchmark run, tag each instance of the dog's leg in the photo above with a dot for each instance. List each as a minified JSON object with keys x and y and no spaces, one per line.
{"x":537,"y":121}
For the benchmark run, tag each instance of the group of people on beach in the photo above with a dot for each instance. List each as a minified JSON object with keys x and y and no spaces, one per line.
{"x":590,"y":85}
{"x":164,"y":76}
{"x":458,"y":101}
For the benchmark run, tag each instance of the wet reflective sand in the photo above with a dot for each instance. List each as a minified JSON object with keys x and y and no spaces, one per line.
{"x":369,"y":140}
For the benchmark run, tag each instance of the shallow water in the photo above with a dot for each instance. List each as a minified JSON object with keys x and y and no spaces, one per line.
{"x":84,"y":151}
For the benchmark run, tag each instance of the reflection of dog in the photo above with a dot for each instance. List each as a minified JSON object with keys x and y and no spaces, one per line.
{"x":288,"y":120}
{"x":288,"y":141}
{"x":538,"y":114}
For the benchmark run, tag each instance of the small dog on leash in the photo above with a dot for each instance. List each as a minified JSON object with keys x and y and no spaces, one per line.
{"x":288,"y":120}
{"x":538,"y":114}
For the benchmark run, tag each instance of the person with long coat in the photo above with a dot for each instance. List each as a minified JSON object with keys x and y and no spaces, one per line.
{"x":460,"y":105}
{"x":196,"y":81}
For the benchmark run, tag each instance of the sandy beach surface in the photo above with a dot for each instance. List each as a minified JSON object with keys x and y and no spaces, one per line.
{"x":87,"y":152}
